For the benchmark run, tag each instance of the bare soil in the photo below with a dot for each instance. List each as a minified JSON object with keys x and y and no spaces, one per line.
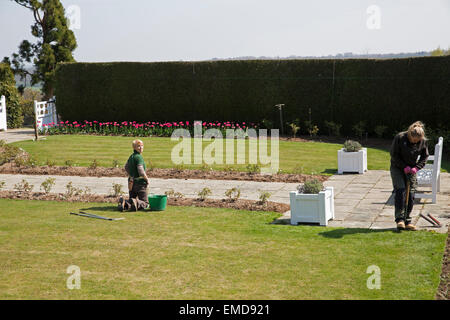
{"x":239,"y":204}
{"x":442,"y":292}
{"x":12,"y":168}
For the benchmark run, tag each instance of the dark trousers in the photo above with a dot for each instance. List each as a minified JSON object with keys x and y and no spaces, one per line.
{"x":139,"y":192}
{"x":399,"y":181}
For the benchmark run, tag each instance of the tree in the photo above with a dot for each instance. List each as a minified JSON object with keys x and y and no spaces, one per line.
{"x":440,"y":52}
{"x":56,"y":42}
{"x":437,"y":52}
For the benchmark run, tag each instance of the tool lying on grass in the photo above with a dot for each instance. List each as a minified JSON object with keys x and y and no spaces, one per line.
{"x":434,"y":222}
{"x":90,"y":215}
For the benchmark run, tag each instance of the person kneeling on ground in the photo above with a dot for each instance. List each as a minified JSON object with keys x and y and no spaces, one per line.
{"x":137,"y":180}
{"x":405,"y":162}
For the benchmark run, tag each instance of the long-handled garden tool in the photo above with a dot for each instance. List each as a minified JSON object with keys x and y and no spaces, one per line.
{"x":432,"y":220}
{"x":90,"y":215}
{"x":429,"y":220}
{"x":436,"y":221}
{"x":408,"y":186}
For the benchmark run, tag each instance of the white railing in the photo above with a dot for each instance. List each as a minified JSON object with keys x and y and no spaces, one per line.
{"x":45,"y":112}
{"x":3,"y":125}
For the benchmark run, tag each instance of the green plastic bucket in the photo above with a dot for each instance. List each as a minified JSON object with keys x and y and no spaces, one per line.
{"x":157,"y":202}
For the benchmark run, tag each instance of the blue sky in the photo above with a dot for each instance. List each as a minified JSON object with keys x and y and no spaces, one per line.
{"x":190,"y":30}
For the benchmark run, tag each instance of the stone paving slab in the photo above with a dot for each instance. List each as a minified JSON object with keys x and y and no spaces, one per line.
{"x":366,"y":201}
{"x":361,"y":201}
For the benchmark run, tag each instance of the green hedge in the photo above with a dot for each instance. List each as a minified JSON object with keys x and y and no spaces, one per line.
{"x":392,"y":92}
{"x":14,"y":113}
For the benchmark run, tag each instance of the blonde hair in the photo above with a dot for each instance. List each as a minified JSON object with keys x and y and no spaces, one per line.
{"x":136,"y":142}
{"x":417,"y":130}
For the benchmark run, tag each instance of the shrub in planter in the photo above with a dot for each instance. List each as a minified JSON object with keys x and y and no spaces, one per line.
{"x":352,"y":146}
{"x":313,"y":186}
{"x":352,"y":158}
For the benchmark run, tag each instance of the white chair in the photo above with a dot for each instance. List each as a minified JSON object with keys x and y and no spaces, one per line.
{"x":430,"y":176}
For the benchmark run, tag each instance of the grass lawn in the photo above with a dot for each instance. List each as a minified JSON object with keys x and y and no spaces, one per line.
{"x":298,"y":157}
{"x":204,"y":253}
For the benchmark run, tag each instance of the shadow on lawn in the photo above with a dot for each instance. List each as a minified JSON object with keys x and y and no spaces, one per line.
{"x":330,"y":171}
{"x":339,"y":233}
{"x":103,"y":209}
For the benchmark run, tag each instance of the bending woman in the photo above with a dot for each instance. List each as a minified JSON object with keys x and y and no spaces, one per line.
{"x":409,"y":154}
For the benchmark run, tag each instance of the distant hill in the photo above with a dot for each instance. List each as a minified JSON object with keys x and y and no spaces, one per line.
{"x":346,"y":55}
{"x":26,"y":82}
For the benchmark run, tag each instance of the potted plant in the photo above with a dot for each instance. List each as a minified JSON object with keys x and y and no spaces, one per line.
{"x":352,"y":158}
{"x":312,"y":203}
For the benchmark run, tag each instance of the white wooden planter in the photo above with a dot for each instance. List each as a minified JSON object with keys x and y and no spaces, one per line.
{"x":312,"y":208}
{"x":352,"y":161}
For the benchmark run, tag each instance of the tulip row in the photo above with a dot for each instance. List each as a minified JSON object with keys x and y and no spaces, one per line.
{"x":135,"y":129}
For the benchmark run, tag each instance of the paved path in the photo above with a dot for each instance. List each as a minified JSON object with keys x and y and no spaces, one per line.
{"x":14,"y":135}
{"x":366,"y":201}
{"x":361,"y":201}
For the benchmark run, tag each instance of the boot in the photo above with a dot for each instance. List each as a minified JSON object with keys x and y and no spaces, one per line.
{"x":121,"y":205}
{"x":400,"y":225}
{"x":134,"y":204}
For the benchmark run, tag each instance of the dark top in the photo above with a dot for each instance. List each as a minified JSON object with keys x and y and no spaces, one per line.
{"x":133,"y":162}
{"x":405,"y":153}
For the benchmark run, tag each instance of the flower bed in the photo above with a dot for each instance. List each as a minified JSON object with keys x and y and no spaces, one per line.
{"x":132,"y":128}
{"x":240,"y":204}
{"x":11,"y":168}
